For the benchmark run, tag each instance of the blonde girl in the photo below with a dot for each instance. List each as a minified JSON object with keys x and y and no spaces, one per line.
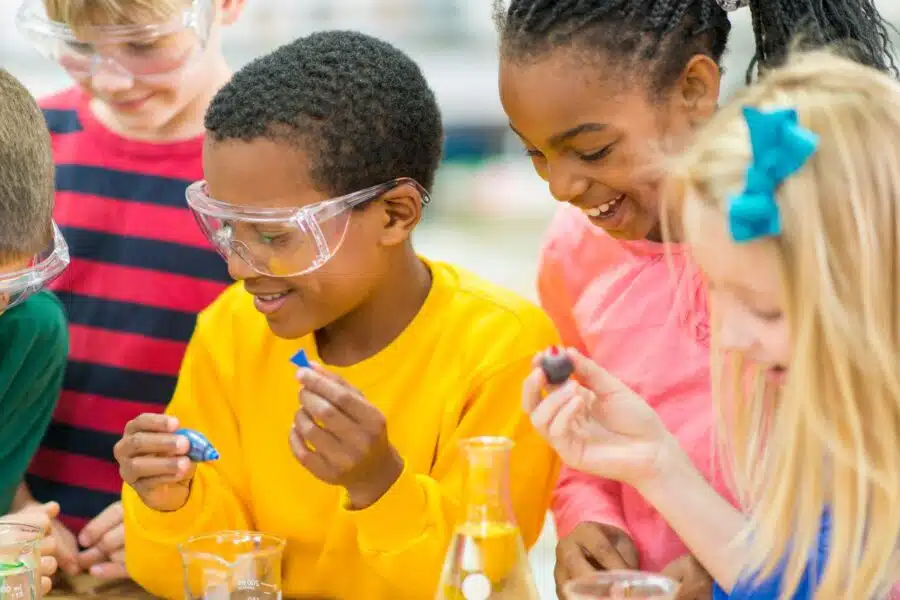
{"x":791,"y":206}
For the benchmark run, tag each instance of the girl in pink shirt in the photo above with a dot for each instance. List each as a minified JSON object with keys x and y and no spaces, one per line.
{"x":790,"y":202}
{"x":642,"y":315}
{"x":596,"y":90}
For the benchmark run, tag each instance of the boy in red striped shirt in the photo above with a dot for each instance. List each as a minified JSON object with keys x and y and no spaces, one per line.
{"x":127,"y":141}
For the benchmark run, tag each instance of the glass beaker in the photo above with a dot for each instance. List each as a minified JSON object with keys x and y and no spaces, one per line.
{"x":487,"y":558}
{"x":20,"y":560}
{"x":619,"y":585}
{"x":241,"y":565}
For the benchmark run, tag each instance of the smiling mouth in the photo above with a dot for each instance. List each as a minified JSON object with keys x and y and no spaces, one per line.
{"x":606,"y":210}
{"x":271,"y":297}
{"x":128,"y":102}
{"x":269,"y":304}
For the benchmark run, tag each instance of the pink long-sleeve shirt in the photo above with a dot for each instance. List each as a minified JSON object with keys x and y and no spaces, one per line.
{"x":641,"y":313}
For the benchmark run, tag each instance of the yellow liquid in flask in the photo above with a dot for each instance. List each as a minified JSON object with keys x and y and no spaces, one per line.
{"x":487,"y":559}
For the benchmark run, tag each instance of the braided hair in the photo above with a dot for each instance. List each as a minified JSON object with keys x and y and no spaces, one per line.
{"x":856,"y":23}
{"x":664,"y":34}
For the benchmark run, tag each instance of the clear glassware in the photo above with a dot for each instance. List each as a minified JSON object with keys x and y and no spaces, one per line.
{"x":619,"y":585}
{"x":487,"y":559}
{"x":232,"y":565}
{"x":20,"y":560}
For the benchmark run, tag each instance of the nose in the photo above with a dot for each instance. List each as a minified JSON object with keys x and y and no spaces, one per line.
{"x":108,"y":78}
{"x":566,"y":185}
{"x":238,"y":268}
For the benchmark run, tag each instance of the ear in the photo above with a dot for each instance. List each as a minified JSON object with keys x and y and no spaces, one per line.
{"x":698,"y":88}
{"x":230,"y":10}
{"x":402,"y":211}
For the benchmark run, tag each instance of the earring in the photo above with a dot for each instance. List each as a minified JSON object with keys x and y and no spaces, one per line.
{"x":732,"y":5}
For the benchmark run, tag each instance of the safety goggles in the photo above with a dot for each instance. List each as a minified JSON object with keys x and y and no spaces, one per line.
{"x":153,"y":52}
{"x":15,"y":287}
{"x":282,"y":242}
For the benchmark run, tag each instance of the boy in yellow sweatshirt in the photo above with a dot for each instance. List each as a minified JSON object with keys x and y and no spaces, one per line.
{"x":318,"y":160}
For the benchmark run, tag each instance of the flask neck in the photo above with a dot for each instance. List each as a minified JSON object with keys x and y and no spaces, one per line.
{"x":486,"y":494}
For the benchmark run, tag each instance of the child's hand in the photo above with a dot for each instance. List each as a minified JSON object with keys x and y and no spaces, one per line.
{"x":341,"y":438}
{"x":103,"y":540}
{"x":41,"y":516}
{"x":695,"y":582}
{"x":599,"y":426}
{"x":48,"y":564}
{"x":66,"y":547}
{"x":589,"y":548}
{"x":153,"y":461}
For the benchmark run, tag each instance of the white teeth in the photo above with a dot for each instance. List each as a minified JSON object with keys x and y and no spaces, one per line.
{"x":272,"y":297}
{"x":603,"y":208}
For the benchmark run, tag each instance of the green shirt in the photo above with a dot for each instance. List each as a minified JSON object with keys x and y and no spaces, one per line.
{"x":34,"y":344}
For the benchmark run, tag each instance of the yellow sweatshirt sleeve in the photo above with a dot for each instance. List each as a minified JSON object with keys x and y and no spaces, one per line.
{"x":216,"y":501}
{"x":406,"y":533}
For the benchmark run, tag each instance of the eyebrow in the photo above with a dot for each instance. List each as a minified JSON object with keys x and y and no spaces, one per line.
{"x":564,"y":136}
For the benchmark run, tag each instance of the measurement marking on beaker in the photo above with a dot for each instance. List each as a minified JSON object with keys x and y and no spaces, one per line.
{"x":12,"y":591}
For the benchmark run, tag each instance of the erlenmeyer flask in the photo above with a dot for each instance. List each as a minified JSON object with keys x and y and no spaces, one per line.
{"x":487,"y":559}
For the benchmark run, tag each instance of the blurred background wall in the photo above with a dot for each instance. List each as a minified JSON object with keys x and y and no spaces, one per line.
{"x":489,"y":208}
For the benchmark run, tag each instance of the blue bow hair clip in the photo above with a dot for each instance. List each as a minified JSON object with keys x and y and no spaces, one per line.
{"x":780,"y":148}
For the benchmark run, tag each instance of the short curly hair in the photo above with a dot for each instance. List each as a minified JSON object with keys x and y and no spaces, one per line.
{"x":357,"y":105}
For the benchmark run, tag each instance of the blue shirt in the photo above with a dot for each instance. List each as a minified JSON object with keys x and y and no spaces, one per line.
{"x":754,"y":588}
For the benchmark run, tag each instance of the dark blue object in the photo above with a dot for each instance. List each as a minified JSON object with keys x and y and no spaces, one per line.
{"x":300,"y":360}
{"x":557,"y":366}
{"x":201,"y":449}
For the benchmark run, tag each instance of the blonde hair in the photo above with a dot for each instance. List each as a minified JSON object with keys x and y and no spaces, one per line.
{"x":80,"y":13}
{"x":831,"y":441}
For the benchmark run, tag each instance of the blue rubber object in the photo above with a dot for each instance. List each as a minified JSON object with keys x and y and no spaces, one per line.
{"x":201,"y":448}
{"x":301,"y":360}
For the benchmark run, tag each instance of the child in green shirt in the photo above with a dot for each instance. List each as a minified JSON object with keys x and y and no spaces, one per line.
{"x":33,"y":338}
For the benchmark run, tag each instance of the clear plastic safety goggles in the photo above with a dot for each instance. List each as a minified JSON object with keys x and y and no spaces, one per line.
{"x":46,"y":266}
{"x":282,"y":242}
{"x":155,"y":51}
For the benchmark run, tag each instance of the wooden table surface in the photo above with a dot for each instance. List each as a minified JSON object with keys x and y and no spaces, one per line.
{"x":85,"y":586}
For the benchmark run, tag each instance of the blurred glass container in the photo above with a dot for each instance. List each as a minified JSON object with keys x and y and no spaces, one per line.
{"x":232,"y":565}
{"x":619,"y":585}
